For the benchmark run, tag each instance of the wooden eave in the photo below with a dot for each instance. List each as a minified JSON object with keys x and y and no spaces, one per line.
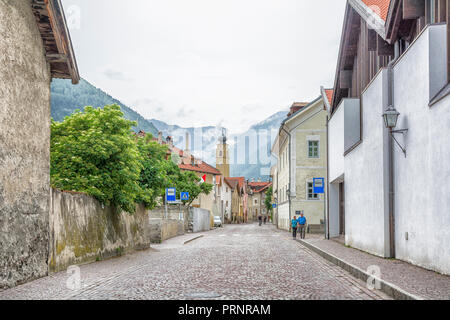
{"x":348,"y":48}
{"x":56,"y":39}
{"x":354,"y":12}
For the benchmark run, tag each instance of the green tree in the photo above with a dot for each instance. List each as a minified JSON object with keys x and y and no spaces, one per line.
{"x":268,"y":200}
{"x":188,"y":181}
{"x":94,"y":152}
{"x":159,"y":173}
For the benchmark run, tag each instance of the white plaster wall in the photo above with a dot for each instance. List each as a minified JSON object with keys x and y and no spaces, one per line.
{"x":365,"y":188}
{"x":334,"y":210}
{"x":422,"y":179}
{"x":336,"y":144}
{"x":283,"y":216}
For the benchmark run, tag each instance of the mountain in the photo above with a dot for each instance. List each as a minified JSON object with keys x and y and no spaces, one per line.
{"x":66,"y":98}
{"x":250,"y":152}
{"x":258,"y":144}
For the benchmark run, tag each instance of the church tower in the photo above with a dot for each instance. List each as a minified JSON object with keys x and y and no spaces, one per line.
{"x":222,"y":157}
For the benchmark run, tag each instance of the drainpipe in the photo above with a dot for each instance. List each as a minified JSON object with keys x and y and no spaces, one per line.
{"x":390,"y":70}
{"x":327,"y":234}
{"x":290,"y":171}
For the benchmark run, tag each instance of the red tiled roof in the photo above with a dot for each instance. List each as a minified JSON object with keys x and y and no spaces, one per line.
{"x":240,"y":181}
{"x":329,"y":93}
{"x":380,"y":7}
{"x":201,"y":166}
{"x":259,"y":186}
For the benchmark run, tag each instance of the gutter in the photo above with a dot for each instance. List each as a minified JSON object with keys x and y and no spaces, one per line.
{"x":327,"y":216}
{"x":390,"y":102}
{"x":290,"y":166}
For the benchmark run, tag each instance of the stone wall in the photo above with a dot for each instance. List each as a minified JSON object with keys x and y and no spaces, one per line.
{"x":24,"y":146}
{"x":82,"y":230}
{"x":164,"y":227}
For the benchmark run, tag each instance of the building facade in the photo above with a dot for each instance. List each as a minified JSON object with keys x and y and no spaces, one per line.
{"x":303,"y":157}
{"x":256,"y":200}
{"x":35,"y":47}
{"x":390,"y":197}
{"x":225,"y":198}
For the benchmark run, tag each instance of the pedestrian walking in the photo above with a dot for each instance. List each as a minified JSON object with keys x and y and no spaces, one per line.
{"x":265,"y":219}
{"x":301,"y":222}
{"x":260,"y":220}
{"x":294,"y":227}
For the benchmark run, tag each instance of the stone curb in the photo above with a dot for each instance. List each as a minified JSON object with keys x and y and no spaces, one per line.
{"x":190,"y":240}
{"x":386,"y":287}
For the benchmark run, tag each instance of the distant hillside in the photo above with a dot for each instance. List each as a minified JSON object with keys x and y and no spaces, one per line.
{"x":261,"y":150}
{"x":242,"y":166}
{"x":66,"y":98}
{"x":254,"y":162}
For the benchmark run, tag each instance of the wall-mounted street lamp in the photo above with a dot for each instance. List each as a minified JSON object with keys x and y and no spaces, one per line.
{"x":390,"y":120}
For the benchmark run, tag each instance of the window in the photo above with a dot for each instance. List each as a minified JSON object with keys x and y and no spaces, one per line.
{"x":256,"y":201}
{"x":311,"y":194}
{"x":313,"y":149}
{"x":227,"y":189}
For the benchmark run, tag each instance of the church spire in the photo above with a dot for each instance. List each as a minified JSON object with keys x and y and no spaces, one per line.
{"x":222,"y":158}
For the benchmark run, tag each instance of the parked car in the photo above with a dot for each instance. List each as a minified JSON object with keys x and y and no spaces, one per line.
{"x":217,"y":221}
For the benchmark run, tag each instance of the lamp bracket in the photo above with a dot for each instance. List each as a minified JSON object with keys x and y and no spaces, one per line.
{"x":402,"y":131}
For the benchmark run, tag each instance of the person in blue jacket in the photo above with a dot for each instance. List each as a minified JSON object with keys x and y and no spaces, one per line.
{"x":301,"y":222}
{"x":294,"y":227}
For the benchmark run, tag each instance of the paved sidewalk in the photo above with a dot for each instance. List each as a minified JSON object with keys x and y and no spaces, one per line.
{"x":412,"y":279}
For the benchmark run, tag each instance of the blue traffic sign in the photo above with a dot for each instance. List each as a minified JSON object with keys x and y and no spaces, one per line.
{"x":274,"y":205}
{"x":171,"y":194}
{"x":184,"y":196}
{"x":319,"y":185}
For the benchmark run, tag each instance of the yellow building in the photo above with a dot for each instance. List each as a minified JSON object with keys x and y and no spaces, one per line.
{"x":238,"y":199}
{"x":222,"y":156}
{"x":302,"y":156}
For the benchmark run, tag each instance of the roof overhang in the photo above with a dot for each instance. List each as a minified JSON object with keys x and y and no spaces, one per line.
{"x":355,"y":10}
{"x":372,"y":19}
{"x":56,"y":39}
{"x":303,"y":111}
{"x":325,"y":99}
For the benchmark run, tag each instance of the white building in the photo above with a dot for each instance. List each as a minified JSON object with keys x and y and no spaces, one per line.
{"x":384,"y":201}
{"x":224,"y":196}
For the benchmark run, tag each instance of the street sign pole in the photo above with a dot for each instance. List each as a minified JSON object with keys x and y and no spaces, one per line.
{"x":319,"y":188}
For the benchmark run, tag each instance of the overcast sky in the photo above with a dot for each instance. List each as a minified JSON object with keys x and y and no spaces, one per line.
{"x":207,"y":62}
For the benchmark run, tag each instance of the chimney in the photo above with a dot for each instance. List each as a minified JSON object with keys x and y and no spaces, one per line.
{"x":187,"y":141}
{"x":259,"y":179}
{"x":160,"y":137}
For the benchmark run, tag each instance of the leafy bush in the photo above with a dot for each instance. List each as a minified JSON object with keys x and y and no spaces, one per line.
{"x":94,"y":152}
{"x":268,"y":200}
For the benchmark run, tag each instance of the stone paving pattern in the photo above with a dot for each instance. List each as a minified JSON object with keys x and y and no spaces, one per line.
{"x":236,"y":262}
{"x":418,"y":281}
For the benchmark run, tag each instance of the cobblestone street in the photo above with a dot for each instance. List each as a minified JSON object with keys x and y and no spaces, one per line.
{"x":235,"y":262}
